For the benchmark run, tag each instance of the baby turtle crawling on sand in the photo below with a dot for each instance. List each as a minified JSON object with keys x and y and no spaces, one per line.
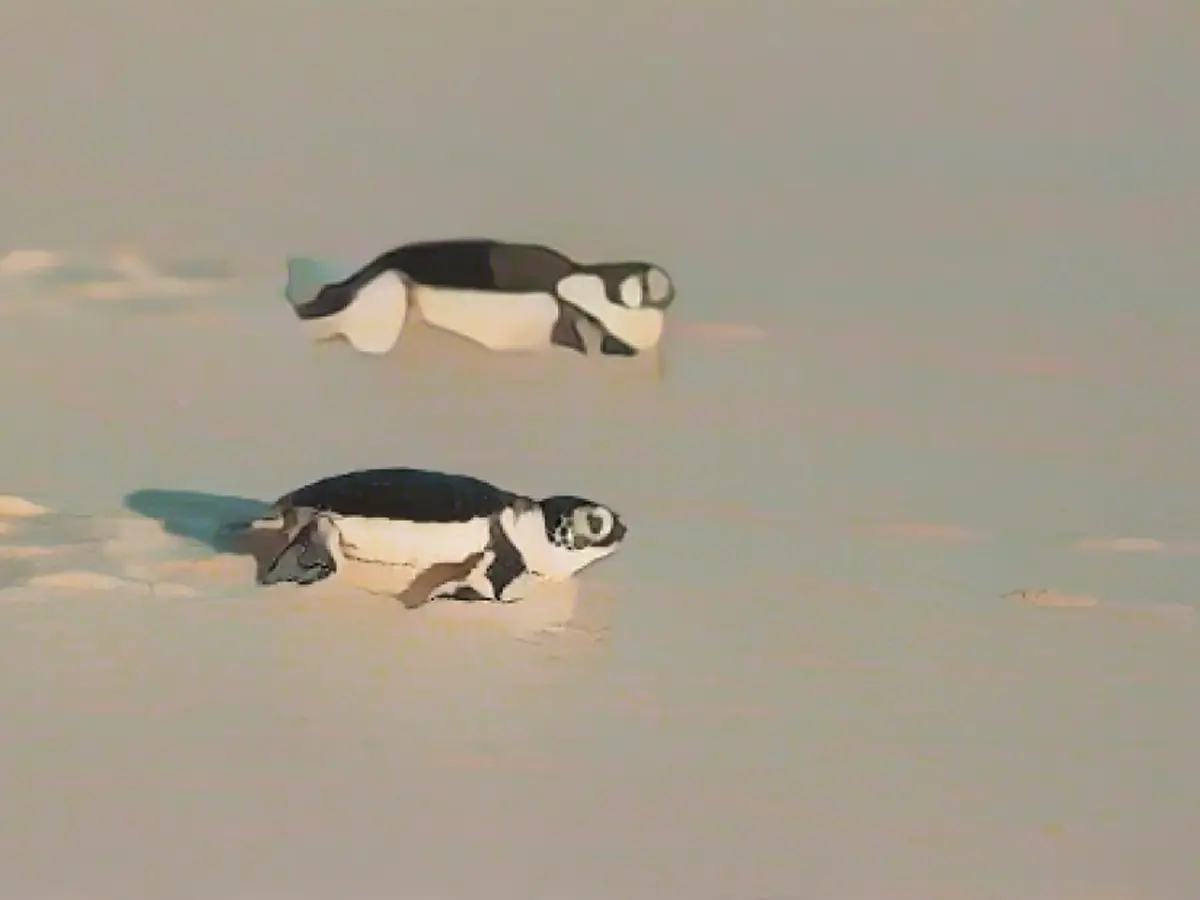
{"x":416,"y":519}
{"x":504,"y":296}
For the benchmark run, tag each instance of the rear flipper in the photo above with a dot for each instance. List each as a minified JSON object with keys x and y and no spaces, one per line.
{"x":307,"y":559}
{"x":369,"y":313}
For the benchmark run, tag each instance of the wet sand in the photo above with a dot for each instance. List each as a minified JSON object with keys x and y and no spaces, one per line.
{"x":908,"y":606}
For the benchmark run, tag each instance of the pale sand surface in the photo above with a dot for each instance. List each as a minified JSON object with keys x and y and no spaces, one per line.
{"x":908,"y":606}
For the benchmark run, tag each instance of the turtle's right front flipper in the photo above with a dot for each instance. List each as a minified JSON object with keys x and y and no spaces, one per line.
{"x":307,"y":559}
{"x":491,"y":578}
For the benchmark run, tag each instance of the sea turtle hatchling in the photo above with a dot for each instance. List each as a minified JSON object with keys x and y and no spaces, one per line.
{"x":414,"y":519}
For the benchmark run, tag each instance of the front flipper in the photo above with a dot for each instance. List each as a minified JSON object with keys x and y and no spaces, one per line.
{"x":614,"y":346}
{"x":505,"y":568}
{"x":489,"y":581}
{"x":306,"y":559}
{"x":566,"y":329}
{"x":460,"y":591}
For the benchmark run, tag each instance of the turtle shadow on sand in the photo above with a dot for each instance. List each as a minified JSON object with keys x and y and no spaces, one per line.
{"x":213,"y":520}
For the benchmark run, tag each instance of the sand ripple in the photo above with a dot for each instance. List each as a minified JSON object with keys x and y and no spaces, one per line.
{"x":1059,"y":599}
{"x":1137,"y":545}
{"x":722,"y":332}
{"x":77,"y":580}
{"x":28,"y":262}
{"x":923,"y":531}
{"x":25,"y":552}
{"x":19,"y":508}
{"x":123,"y":275}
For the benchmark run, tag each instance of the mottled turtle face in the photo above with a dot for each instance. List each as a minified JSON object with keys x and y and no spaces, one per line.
{"x":646,"y":285}
{"x":574,"y":523}
{"x":658,"y":287}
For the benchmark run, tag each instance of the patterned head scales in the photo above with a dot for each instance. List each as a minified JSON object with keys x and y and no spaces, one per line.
{"x":575,"y":523}
{"x":660,"y":290}
{"x":631,"y":285}
{"x":645,"y":285}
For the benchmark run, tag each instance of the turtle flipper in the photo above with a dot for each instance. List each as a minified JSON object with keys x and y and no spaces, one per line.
{"x":566,"y":329}
{"x":614,"y":346}
{"x":306,"y":559}
{"x":460,"y":591}
{"x":489,"y":581}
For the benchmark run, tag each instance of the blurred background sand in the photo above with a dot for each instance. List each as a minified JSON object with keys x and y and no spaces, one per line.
{"x":934,"y":345}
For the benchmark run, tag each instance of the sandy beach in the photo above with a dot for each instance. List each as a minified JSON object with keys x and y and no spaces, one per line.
{"x":908,"y":607}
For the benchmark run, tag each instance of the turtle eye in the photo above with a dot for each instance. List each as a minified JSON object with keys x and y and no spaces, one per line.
{"x":592,"y":523}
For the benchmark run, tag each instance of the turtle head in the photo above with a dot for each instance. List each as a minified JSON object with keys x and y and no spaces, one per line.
{"x":575,"y":523}
{"x":658,"y":291}
{"x":634,"y":285}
